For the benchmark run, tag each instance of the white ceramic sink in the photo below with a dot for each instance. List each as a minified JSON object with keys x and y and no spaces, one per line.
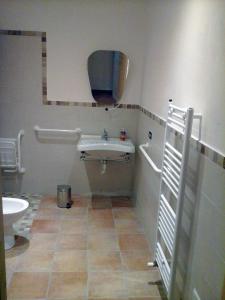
{"x":96,"y":143}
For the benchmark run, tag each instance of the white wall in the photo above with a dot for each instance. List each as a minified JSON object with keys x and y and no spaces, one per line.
{"x":76,"y":28}
{"x":48,"y":162}
{"x":185,"y":61}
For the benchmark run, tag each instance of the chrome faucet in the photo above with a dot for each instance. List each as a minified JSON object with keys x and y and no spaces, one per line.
{"x":105,"y":135}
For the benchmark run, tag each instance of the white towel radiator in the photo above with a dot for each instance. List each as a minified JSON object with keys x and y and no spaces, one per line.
{"x":171,"y":196}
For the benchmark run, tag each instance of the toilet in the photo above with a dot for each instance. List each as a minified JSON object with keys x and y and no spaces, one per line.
{"x":13,"y":210}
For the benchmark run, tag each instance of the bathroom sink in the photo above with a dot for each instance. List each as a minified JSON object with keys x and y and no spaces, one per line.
{"x":96,"y":143}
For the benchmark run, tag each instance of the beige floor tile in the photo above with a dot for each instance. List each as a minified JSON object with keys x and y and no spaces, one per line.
{"x":106,"y":284}
{"x":145,"y":298}
{"x":124,"y":213}
{"x":35,"y":261}
{"x":133,"y":242}
{"x":48,"y":201}
{"x":80,"y":201}
{"x":100,"y":220}
{"x":73,"y":212}
{"x":73,"y":226}
{"x":9,"y":298}
{"x":72,"y":241}
{"x":116,"y":298}
{"x":28,"y":285}
{"x":11,"y":262}
{"x":43,"y":241}
{"x":103,"y":241}
{"x":21,"y":245}
{"x":94,"y":214}
{"x":136,"y":260}
{"x":102,"y":230}
{"x":121,"y":202}
{"x":104,"y":261}
{"x":138,"y":284}
{"x":101,"y":224}
{"x":128,"y":226}
{"x":45,"y":226}
{"x":70,"y":261}
{"x":48,"y":213}
{"x":101,"y":202}
{"x":68,"y":285}
{"x":74,"y":298}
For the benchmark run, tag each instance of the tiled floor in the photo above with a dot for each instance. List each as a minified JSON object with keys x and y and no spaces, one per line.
{"x":95,"y":250}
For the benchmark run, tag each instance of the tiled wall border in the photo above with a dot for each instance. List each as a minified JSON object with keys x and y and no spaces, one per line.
{"x":44,"y":73}
{"x":42,"y":35}
{"x":90,"y":104}
{"x":204,"y":149}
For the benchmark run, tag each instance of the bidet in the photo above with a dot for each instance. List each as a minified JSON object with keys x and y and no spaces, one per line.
{"x":13,"y":210}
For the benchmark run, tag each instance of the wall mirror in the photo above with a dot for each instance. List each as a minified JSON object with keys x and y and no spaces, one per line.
{"x":107,"y":70}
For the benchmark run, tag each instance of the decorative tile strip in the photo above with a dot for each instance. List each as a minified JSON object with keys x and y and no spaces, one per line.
{"x":44,"y":74}
{"x":152,"y":116}
{"x":42,"y":35}
{"x":44,"y":66}
{"x":21,"y":32}
{"x":90,"y":104}
{"x":201,"y":147}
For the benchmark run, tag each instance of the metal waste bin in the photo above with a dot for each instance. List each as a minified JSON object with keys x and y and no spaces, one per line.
{"x":64,"y":196}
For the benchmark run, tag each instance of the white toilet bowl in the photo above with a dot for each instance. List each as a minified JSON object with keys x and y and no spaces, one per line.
{"x":13,"y":210}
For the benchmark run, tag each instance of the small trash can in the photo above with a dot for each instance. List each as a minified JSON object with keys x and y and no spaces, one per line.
{"x":64,"y":196}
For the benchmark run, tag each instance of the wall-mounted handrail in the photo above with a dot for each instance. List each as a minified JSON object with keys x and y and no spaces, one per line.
{"x":150,"y":161}
{"x":19,"y":162}
{"x":37,"y":129}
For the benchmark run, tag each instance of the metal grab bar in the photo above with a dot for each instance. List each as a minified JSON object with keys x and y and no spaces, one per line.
{"x":19,"y":137}
{"x":150,"y":161}
{"x":64,"y":131}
